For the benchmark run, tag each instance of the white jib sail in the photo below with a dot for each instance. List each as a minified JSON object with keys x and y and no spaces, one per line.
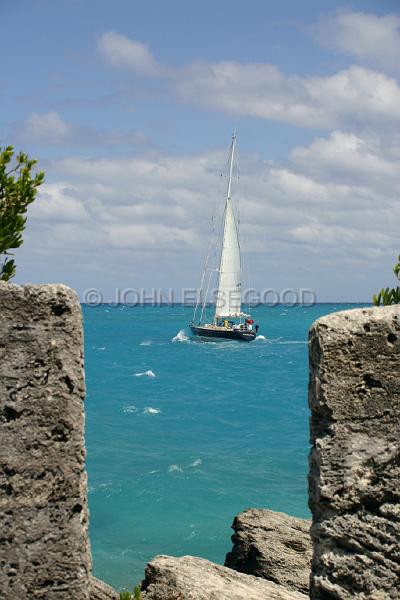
{"x":229,"y":287}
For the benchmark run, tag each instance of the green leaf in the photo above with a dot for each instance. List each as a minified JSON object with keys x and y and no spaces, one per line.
{"x":7,"y":270}
{"x":389,"y":296}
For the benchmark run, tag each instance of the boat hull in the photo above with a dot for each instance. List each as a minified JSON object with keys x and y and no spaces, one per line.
{"x":227,"y":334}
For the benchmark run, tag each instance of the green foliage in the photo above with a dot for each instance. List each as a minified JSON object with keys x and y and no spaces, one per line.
{"x":396,"y":269}
{"x":389,"y":296}
{"x":18,"y":189}
{"x":135,"y":595}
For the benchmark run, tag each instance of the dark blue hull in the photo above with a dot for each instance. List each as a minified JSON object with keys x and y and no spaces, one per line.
{"x":227,"y":334}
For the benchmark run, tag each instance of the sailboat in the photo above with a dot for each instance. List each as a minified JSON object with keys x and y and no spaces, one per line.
{"x":229,"y":321}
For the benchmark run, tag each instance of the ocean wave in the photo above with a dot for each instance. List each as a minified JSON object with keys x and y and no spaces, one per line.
{"x":130,"y":409}
{"x":175,"y":469}
{"x":192,"y":533}
{"x":280,"y":341}
{"x":292,"y":342}
{"x":196,"y":463}
{"x":180,"y":337}
{"x":108,"y":488}
{"x":149,"y":410}
{"x":261,"y":338}
{"x":148,"y":373}
{"x":145,"y":343}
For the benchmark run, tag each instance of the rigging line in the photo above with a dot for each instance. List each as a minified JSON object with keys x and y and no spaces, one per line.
{"x":202,"y":283}
{"x":244,"y":256}
{"x":211,"y":250}
{"x":208,"y":287}
{"x":205,"y":266}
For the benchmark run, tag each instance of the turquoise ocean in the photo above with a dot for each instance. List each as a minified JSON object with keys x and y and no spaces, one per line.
{"x":183,"y":434}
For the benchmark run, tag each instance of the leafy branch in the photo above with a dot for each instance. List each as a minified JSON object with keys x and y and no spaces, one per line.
{"x":18,"y":189}
{"x":387,"y":295}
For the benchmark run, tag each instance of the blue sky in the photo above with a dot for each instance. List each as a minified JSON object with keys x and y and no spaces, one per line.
{"x":130,"y":106}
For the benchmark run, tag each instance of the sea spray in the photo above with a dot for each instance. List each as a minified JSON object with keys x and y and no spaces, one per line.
{"x":130,"y":409}
{"x":148,"y":373}
{"x":149,"y":410}
{"x":261,"y":338}
{"x":180,"y":337}
{"x":175,"y":469}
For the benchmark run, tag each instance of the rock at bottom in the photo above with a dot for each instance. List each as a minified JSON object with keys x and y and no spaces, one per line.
{"x":272,"y":545}
{"x":190,"y":578}
{"x":101,"y":591}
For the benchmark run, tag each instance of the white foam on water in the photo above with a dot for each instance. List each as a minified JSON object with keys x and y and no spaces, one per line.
{"x":175,"y":469}
{"x":130,"y":409}
{"x":192,"y":533}
{"x":196,"y":463}
{"x":293,"y":342}
{"x":279,"y":340}
{"x":149,"y":410}
{"x":148,"y":373}
{"x":145,"y":343}
{"x":180,"y":337}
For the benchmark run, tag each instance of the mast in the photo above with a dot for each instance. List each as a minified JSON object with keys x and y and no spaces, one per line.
{"x":233,"y":144}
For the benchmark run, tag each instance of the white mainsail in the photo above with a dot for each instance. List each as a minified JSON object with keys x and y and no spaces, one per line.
{"x":229,"y":288}
{"x":228,"y":302}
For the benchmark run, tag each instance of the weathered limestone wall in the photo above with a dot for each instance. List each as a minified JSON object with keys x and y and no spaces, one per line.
{"x":43,"y":514}
{"x":354,"y":479}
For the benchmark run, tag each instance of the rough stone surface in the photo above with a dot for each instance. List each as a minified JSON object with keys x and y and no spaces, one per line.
{"x":101,"y":591}
{"x":272,"y":545}
{"x":190,"y":578}
{"x":43,"y":515}
{"x":354,"y":479}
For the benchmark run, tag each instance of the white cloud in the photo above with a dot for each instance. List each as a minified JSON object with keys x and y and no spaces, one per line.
{"x":45,"y":127}
{"x":152,"y":236}
{"x":355,"y":95}
{"x":353,"y":159}
{"x":121,"y":51}
{"x":58,"y":202}
{"x":367,"y":37}
{"x":50,"y":129}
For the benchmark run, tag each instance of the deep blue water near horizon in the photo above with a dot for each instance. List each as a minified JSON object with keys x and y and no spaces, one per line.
{"x":183,"y":434}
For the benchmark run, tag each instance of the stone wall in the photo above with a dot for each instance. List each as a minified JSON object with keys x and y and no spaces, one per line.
{"x":43,"y":513}
{"x":354,"y":480}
